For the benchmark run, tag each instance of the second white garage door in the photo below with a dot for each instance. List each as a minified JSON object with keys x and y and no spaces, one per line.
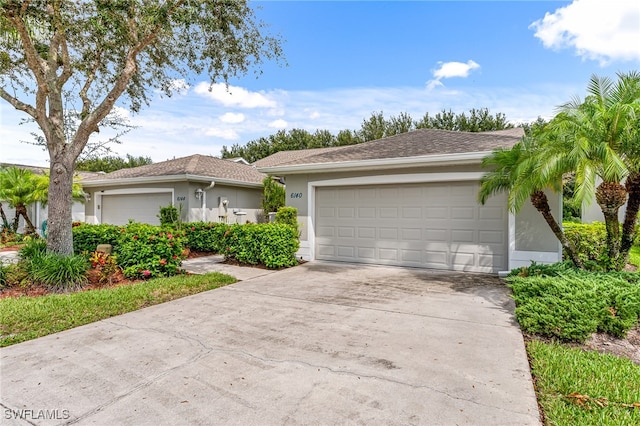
{"x":432,"y":225}
{"x":143,"y":208}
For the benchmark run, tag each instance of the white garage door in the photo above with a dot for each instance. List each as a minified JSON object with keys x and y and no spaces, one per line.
{"x":431,"y":225}
{"x":144,"y":208}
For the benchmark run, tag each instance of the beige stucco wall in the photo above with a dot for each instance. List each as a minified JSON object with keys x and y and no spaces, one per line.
{"x":531,"y":230}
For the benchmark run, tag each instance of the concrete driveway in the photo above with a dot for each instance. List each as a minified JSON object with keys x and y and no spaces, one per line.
{"x":322,"y":343}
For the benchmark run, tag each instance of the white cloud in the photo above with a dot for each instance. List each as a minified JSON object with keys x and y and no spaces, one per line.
{"x":449,"y":70}
{"x":455,"y":69}
{"x":278,"y":124}
{"x":597,"y":30}
{"x":313,"y":115}
{"x":227,"y":134}
{"x":231,"y":117}
{"x":233,"y":96}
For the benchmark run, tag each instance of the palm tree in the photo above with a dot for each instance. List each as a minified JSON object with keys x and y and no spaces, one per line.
{"x":598,"y":138}
{"x":518,"y":171}
{"x":21,"y":187}
{"x":16,"y":188}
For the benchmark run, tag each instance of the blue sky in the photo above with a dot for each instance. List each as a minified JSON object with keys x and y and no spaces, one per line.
{"x":347,"y":59}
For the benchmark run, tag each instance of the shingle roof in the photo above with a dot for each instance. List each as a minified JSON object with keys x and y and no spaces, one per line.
{"x":418,"y":143}
{"x":42,"y":170}
{"x":198,"y":165}
{"x":282,"y":157}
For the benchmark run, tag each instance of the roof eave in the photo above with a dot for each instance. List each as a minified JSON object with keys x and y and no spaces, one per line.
{"x":167,"y":178}
{"x":381,"y":163}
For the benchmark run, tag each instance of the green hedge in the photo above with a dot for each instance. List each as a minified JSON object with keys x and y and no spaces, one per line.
{"x":142,"y":251}
{"x":205,"y":236}
{"x":590,"y":241}
{"x":273,"y":245}
{"x":570,"y":305}
{"x":86,"y":237}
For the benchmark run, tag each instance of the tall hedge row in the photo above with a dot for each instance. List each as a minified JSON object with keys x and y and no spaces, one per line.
{"x":147,"y":251}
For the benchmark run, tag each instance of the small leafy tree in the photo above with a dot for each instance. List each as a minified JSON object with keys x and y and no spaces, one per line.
{"x":86,"y":56}
{"x":274,"y":195}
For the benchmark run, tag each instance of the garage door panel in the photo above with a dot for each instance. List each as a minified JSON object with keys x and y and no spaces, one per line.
{"x":436,"y":212}
{"x":431,"y":225}
{"x":463,"y":236}
{"x":366,"y":212}
{"x":118,"y":209}
{"x":490,"y":237}
{"x":388,"y":233}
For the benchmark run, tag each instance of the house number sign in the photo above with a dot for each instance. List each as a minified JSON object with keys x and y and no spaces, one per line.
{"x":295,"y":195}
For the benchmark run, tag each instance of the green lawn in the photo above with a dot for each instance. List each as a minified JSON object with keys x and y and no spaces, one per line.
{"x":634,"y":256}
{"x":576,"y":387}
{"x":27,"y":318}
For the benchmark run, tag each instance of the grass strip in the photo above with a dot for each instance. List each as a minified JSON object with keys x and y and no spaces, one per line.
{"x":26,"y":318}
{"x":634,"y":256}
{"x":576,"y":387}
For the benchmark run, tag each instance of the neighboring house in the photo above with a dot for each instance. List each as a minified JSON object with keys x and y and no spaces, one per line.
{"x":411,"y":200}
{"x":36,"y":211}
{"x":203,"y":188}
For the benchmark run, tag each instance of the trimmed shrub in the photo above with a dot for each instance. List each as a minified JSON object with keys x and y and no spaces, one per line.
{"x":571,"y":305}
{"x":273,"y":197}
{"x":86,"y":237}
{"x":146,"y":251}
{"x":205,"y":236}
{"x":288,"y":216}
{"x":590,"y":241}
{"x":168,"y":216}
{"x":271,"y":244}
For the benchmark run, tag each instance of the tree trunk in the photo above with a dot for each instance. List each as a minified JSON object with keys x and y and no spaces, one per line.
{"x":541,"y":203}
{"x":630,"y":219}
{"x":5,"y":222}
{"x":610,"y":197}
{"x":21,"y":210}
{"x":59,"y":235}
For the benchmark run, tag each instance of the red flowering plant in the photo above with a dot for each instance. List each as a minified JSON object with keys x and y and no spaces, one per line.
{"x":146,"y":251}
{"x":106,"y":265}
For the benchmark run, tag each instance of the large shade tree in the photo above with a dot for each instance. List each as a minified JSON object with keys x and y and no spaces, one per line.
{"x":598,"y":138}
{"x":85,"y":56}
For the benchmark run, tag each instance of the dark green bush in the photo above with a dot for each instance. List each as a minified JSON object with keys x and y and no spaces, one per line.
{"x":271,"y":244}
{"x":86,"y":237}
{"x":288,"y":216}
{"x":168,"y":216}
{"x":205,"y":236}
{"x":273,"y":196}
{"x":146,"y":251}
{"x":571,"y":304}
{"x":590,"y":241}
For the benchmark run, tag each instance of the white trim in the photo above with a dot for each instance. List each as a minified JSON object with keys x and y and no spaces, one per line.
{"x":168,"y":178}
{"x":380,"y":163}
{"x":97,"y":196}
{"x":401,"y":178}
